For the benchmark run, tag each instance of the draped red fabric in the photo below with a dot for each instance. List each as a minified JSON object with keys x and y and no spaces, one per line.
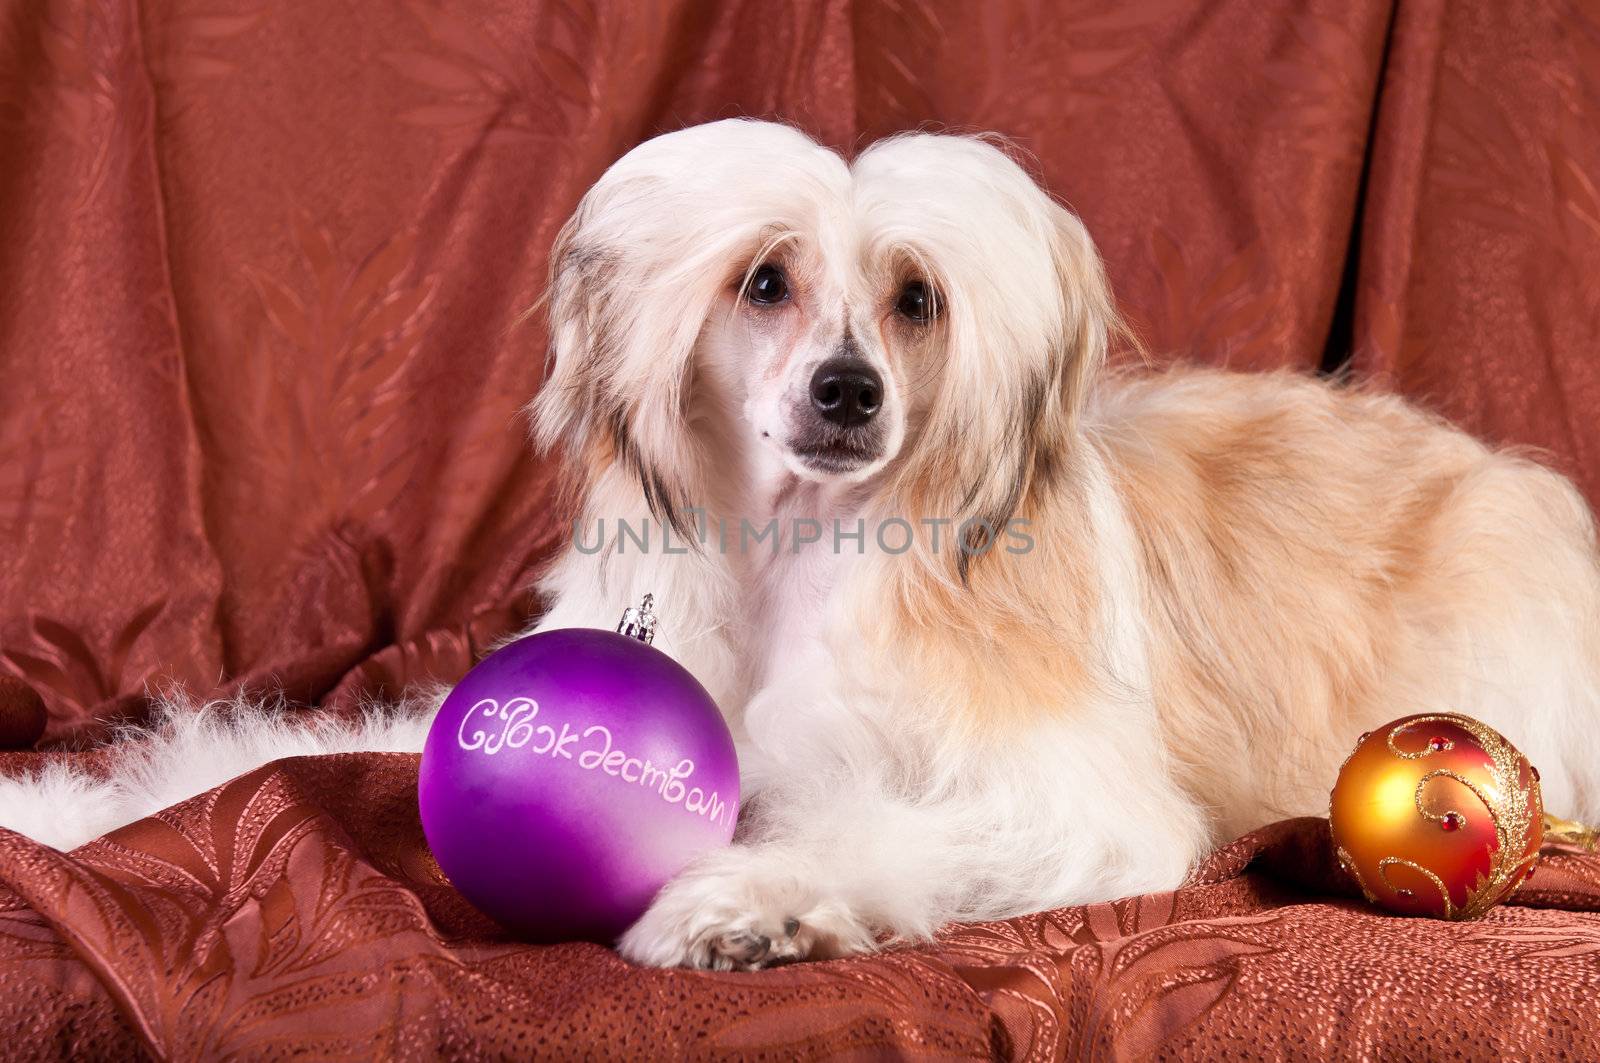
{"x":265,"y":270}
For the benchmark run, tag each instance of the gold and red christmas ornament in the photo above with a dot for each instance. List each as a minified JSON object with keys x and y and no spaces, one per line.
{"x":1438,"y":815}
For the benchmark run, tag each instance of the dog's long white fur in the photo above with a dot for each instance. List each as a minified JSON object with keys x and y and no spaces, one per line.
{"x":1234,"y":575}
{"x":190,"y":747}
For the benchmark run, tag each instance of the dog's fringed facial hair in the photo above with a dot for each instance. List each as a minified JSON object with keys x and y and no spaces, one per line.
{"x":986,"y":404}
{"x":636,"y":273}
{"x":1027,"y":321}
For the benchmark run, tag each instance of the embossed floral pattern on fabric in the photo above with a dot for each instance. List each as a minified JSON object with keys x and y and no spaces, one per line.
{"x":296,"y":910}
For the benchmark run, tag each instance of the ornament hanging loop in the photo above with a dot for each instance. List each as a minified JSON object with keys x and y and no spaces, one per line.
{"x":640,"y":623}
{"x":1570,"y":832}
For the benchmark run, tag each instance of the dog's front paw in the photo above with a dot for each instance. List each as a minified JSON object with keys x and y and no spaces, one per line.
{"x":732,"y":914}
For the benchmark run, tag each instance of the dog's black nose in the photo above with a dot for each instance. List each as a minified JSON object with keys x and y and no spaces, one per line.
{"x":846,"y":391}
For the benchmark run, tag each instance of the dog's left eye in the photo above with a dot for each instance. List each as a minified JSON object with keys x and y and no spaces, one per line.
{"x":767,"y":286}
{"x":916,"y":301}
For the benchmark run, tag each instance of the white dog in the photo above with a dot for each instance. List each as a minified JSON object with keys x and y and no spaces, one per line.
{"x":1011,"y":632}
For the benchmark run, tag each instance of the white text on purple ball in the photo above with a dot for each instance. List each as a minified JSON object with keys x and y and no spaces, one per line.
{"x":589,"y":748}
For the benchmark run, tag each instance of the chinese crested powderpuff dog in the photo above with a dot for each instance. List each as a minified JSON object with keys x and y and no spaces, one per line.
{"x":1163,"y":606}
{"x":1014,"y":631}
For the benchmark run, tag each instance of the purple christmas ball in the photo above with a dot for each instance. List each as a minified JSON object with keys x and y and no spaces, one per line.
{"x":569,"y":776}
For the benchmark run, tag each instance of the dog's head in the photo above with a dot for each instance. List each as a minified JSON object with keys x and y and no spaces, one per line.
{"x":921,"y":323}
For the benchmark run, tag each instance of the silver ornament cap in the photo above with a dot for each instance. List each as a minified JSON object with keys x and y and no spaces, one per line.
{"x":640,"y":623}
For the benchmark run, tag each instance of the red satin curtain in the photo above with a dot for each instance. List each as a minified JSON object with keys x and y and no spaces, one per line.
{"x":264,"y":267}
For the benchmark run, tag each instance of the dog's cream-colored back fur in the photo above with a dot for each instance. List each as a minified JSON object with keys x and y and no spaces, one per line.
{"x":191,"y":747}
{"x":1320,"y":560}
{"x":1231,"y":576}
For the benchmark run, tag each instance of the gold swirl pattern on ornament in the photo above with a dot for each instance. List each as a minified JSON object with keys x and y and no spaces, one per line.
{"x":1343,"y":764}
{"x":1348,"y":863}
{"x":1426,"y":750}
{"x":1449,"y":773}
{"x":1444,"y":894}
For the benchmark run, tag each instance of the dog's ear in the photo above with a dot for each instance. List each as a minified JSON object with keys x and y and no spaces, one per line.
{"x":1040,"y":442}
{"x":1088,"y":324}
{"x":1028,"y":323}
{"x":1039,"y":439}
{"x":569,"y":402}
{"x":619,"y":355}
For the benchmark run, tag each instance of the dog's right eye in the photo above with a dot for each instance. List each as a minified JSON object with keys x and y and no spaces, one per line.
{"x":767,"y":286}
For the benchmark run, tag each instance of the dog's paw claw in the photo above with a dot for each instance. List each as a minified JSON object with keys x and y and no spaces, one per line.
{"x":737,"y":914}
{"x":750,"y":949}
